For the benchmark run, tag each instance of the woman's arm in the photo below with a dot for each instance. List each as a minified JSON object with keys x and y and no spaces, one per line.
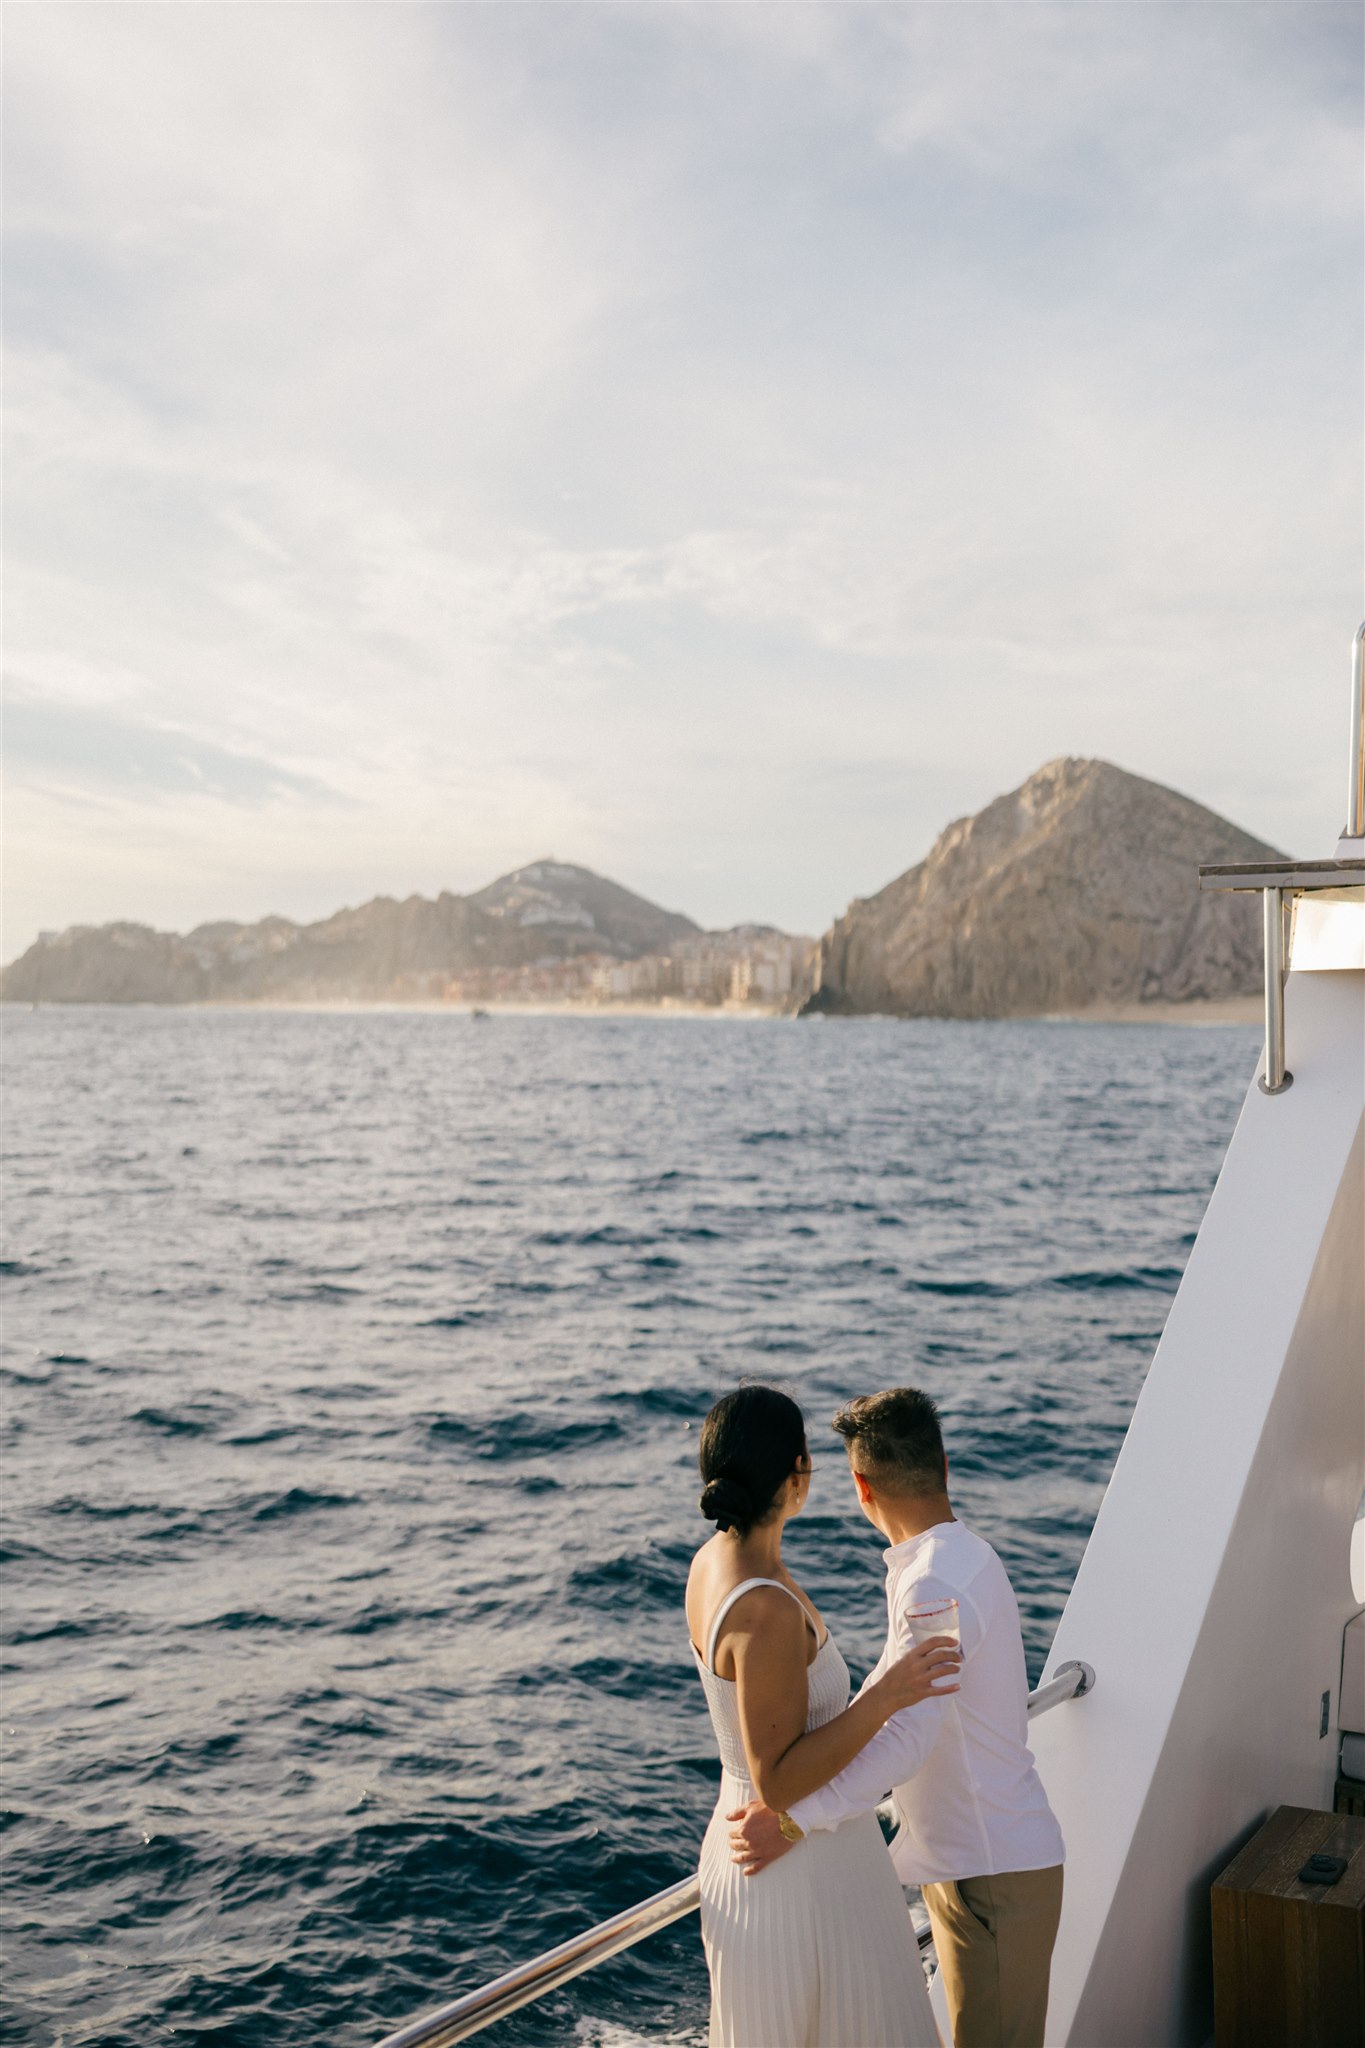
{"x":769,"y":1649}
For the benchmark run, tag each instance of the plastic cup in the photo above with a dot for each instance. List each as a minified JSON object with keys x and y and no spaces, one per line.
{"x":935,"y":1618}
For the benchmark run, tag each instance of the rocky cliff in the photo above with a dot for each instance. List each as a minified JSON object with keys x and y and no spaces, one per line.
{"x":1076,"y":891}
{"x":384,"y":949}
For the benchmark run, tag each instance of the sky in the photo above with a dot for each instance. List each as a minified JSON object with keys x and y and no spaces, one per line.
{"x":715,"y":444}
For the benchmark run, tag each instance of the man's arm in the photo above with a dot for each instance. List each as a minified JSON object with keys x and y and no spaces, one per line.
{"x":899,"y":1748}
{"x":894,"y":1754}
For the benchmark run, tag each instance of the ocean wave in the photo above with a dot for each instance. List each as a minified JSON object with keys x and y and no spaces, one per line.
{"x":517,"y":1435}
{"x":1164,"y":1278}
{"x":666,"y":1400}
{"x":972,"y":1290}
{"x":298,"y":1500}
{"x":170,"y":1422}
{"x":642,"y":1575}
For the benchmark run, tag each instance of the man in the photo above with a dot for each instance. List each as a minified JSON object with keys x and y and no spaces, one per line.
{"x":975,"y":1829}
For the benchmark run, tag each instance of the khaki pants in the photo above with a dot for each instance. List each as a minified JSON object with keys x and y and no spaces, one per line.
{"x":993,"y":1937}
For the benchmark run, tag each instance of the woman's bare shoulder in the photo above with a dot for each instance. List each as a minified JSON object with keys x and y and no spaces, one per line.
{"x":766,"y":1610}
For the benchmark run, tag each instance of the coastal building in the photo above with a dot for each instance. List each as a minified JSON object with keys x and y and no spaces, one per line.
{"x":753,"y":965}
{"x":624,"y":981}
{"x":772,"y":970}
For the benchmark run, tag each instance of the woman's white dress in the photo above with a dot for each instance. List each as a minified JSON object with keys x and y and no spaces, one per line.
{"x":817,"y":1951}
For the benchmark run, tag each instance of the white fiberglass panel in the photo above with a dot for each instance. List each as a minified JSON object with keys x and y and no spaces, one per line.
{"x":1213,"y":1595}
{"x":1329,"y":932}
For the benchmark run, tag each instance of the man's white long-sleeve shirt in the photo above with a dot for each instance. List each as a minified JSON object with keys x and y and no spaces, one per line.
{"x":968,"y":1798}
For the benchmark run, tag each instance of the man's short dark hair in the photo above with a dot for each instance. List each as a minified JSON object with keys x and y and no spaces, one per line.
{"x":894,"y":1440}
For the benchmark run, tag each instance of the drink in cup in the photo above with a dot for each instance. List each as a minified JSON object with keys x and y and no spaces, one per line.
{"x":935,"y":1618}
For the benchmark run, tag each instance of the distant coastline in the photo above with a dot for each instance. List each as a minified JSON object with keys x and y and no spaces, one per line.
{"x":1074,"y":896}
{"x":1197,"y":1013}
{"x":547,"y":935}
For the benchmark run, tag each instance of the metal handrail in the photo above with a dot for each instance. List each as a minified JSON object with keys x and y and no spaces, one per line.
{"x":1068,"y":1682}
{"x":1355,"y":802}
{"x":478,"y":2009}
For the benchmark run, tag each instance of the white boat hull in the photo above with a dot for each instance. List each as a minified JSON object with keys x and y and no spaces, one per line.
{"x":1216,"y":1587}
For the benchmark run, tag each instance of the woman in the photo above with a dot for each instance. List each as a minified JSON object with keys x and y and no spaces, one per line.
{"x":817,"y":1951}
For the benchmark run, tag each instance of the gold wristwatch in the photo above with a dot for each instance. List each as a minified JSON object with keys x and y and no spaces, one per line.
{"x":792,"y":1831}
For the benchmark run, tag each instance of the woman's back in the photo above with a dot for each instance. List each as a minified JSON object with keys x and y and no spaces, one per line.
{"x":827,"y":1685}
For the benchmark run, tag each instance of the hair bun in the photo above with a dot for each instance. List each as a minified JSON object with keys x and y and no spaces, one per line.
{"x":725,"y":1502}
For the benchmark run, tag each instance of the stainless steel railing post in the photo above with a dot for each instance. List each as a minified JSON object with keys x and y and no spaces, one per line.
{"x":1355,"y":801}
{"x":1276,"y":1078}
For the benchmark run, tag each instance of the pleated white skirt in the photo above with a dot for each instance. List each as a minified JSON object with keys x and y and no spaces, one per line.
{"x":815,"y":1952}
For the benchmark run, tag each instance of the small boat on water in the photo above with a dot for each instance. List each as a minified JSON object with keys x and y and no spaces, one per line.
{"x":1213,"y":1644}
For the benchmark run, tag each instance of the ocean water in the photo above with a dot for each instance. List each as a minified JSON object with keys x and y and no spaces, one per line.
{"x":352,"y":1371}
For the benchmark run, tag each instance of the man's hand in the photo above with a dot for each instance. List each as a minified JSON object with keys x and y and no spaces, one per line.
{"x":756,"y":1840}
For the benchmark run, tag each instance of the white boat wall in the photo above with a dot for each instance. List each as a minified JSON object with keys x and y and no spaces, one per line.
{"x":1217,"y":1583}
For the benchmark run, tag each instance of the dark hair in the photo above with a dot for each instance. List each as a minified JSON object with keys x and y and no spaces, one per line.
{"x":751,"y":1443}
{"x":894,"y":1439}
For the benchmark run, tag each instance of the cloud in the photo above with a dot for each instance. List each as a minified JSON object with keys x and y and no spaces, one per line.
{"x":616,"y":426}
{"x":1030,"y":97}
{"x":52,"y":744}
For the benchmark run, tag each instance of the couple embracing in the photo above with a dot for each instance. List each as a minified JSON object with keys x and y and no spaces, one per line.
{"x":807,"y":1936}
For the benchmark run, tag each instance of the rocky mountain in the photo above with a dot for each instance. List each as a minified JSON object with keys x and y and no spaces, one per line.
{"x":1076,"y":891}
{"x":587,"y":912}
{"x":382,"y":950}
